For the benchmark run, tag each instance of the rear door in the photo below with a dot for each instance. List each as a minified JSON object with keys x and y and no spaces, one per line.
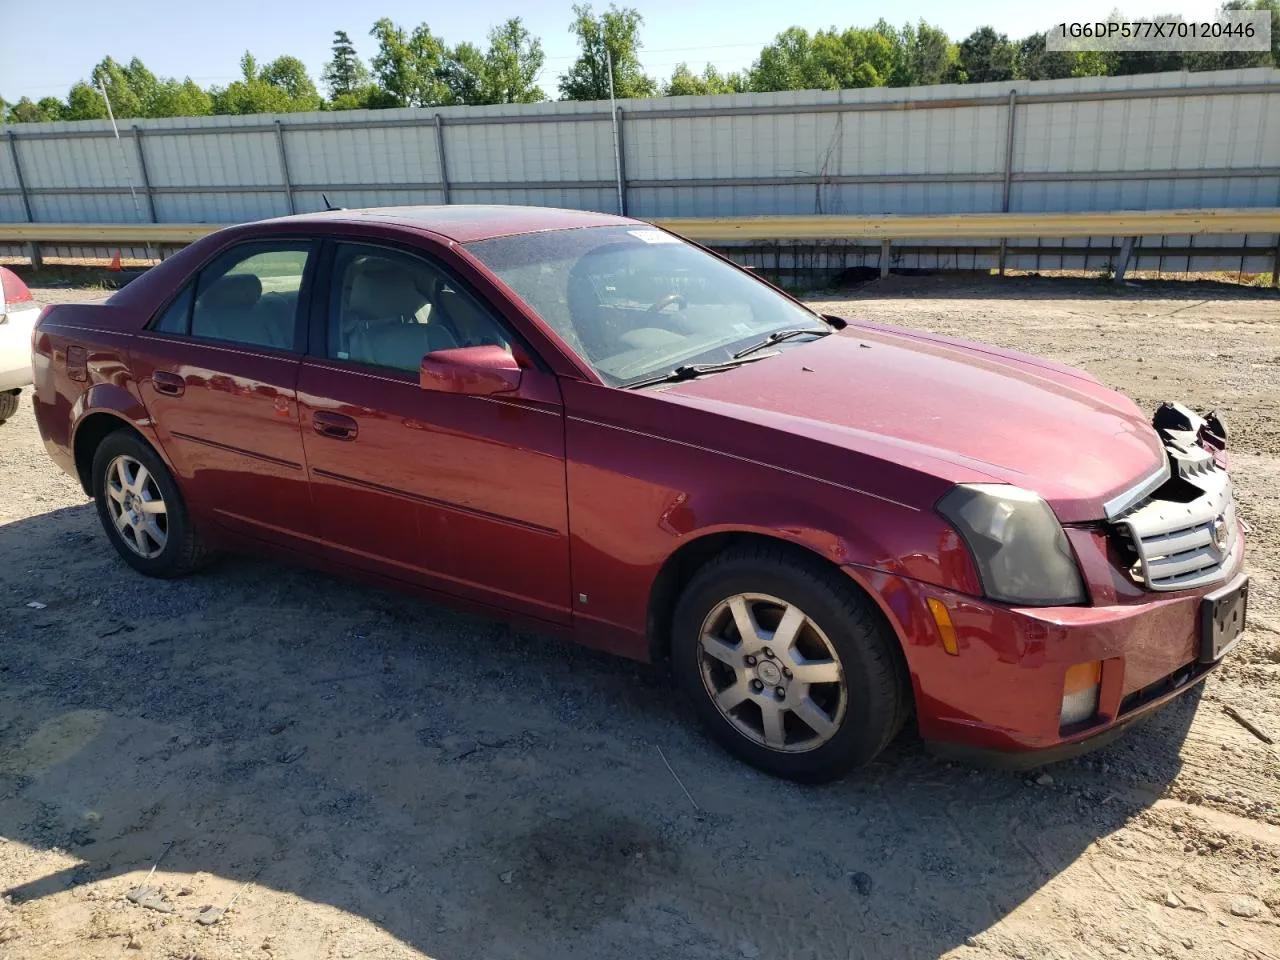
{"x":464,"y":494}
{"x":218,"y":370}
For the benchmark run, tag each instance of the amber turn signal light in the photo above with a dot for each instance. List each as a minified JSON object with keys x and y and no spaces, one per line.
{"x":946,"y":629}
{"x":1080,"y":692}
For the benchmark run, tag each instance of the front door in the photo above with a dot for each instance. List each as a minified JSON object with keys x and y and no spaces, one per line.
{"x":458,"y":493}
{"x":218,"y":370}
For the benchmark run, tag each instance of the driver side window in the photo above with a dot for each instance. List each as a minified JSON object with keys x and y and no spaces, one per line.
{"x":390,"y":309}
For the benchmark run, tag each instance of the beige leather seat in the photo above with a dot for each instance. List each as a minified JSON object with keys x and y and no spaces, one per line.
{"x":387,"y":320}
{"x":231,"y":309}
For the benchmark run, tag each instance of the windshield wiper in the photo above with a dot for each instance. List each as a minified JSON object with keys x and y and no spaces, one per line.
{"x":689,"y":371}
{"x":778,"y":336}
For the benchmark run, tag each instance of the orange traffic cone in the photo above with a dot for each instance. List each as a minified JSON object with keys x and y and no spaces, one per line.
{"x":115,"y":263}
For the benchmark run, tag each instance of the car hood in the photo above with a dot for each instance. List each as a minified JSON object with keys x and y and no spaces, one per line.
{"x":959,"y":411}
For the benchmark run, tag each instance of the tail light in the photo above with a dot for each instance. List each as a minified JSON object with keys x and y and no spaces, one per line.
{"x":13,"y":292}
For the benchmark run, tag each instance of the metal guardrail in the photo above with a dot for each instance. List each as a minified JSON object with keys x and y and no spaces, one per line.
{"x":1120,"y":223}
{"x":1127,"y":224}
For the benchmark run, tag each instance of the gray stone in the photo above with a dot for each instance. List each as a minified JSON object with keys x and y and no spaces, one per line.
{"x":1245,"y":907}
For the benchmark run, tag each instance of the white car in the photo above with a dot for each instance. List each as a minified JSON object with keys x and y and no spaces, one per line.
{"x":18,"y":313}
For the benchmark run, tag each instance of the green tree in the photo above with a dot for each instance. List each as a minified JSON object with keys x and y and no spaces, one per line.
{"x":345,"y":73}
{"x":1238,"y":59}
{"x":463,"y":71}
{"x":84,"y":103}
{"x":282,"y":86}
{"x":290,"y":75}
{"x":986,"y":56}
{"x":685,"y":83}
{"x":135,"y":92}
{"x":617,"y":31}
{"x":781,"y":65}
{"x":180,"y":98}
{"x":828,"y":60}
{"x":924,"y":55}
{"x":512,"y":64}
{"x":408,"y":66}
{"x":369,"y":97}
{"x":27,"y":110}
{"x":1034,"y":61}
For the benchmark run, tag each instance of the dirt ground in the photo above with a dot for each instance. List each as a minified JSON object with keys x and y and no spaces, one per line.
{"x":328,"y":771}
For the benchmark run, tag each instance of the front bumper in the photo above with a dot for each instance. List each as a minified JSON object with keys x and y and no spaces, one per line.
{"x":999,"y":698}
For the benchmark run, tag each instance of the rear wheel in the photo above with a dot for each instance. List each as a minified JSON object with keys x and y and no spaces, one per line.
{"x":8,"y":404}
{"x":142,"y":510}
{"x":791,"y":668}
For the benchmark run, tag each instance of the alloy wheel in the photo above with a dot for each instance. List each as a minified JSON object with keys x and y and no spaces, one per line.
{"x":772,"y":672}
{"x":137,"y":507}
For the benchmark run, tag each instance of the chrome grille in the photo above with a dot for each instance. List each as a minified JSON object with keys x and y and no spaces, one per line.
{"x":1186,"y":544}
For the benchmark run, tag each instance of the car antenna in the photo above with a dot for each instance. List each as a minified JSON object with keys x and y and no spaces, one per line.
{"x":327,"y":205}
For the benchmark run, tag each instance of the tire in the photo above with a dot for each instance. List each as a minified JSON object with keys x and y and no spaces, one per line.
{"x":841,"y":634}
{"x":8,"y":405}
{"x":159,"y":543}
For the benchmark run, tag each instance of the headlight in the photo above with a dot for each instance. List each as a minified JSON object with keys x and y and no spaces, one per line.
{"x":1018,"y":544}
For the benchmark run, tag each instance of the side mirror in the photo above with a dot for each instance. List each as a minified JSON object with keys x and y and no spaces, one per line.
{"x":479,"y":371}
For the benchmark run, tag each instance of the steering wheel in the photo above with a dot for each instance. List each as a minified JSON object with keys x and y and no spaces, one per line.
{"x":664,"y":302}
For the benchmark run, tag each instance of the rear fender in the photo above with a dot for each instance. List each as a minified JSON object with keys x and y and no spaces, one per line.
{"x":115,"y":402}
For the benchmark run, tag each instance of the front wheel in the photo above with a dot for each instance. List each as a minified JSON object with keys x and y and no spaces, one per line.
{"x":790,"y":667}
{"x":142,"y":510}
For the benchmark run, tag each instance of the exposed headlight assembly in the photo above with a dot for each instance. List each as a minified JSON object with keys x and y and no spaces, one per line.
{"x":1017,"y":543}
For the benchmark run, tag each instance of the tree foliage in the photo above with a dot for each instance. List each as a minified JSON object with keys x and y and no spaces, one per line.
{"x":986,"y":56}
{"x":282,"y":86}
{"x":512,"y":65}
{"x":345,"y":74}
{"x":829,"y":60}
{"x":417,"y":68}
{"x":613,"y":38}
{"x":685,"y":83}
{"x":409,"y":66}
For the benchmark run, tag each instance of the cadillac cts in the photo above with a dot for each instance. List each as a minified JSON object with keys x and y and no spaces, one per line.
{"x":828,"y":526}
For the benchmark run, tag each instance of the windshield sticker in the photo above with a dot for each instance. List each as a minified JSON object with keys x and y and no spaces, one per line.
{"x":653,"y":236}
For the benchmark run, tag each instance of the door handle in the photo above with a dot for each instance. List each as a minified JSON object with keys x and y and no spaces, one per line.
{"x":170,"y":384}
{"x":335,"y":426}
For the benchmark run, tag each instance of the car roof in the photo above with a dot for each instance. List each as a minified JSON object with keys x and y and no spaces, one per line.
{"x":464,"y":223}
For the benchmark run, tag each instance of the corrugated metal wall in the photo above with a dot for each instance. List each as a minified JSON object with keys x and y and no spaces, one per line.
{"x":1160,"y":141}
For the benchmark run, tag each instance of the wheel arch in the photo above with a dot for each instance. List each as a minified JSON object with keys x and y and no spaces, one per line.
{"x":90,"y":431}
{"x":99,"y":411}
{"x":684,"y":562}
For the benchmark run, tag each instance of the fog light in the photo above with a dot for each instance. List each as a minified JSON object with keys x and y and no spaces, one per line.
{"x":1080,"y":692}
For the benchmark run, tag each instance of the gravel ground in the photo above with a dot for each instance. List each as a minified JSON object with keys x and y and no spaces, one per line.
{"x":314,"y":770}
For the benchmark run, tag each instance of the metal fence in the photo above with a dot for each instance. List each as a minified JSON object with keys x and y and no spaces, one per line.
{"x":1161,"y":141}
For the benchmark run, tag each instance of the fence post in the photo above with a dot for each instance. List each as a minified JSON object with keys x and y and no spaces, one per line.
{"x":444,"y":167}
{"x":1008,"y":170}
{"x":622,"y":166}
{"x":1275,"y":266}
{"x":284,"y":167}
{"x":33,"y":251}
{"x":146,"y":177}
{"x":884,"y":258}
{"x":1122,"y":265}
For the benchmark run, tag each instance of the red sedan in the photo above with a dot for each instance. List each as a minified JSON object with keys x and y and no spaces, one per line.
{"x":827,"y":526}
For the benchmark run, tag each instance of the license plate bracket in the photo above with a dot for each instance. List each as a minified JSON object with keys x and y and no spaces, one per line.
{"x":1222,"y":618}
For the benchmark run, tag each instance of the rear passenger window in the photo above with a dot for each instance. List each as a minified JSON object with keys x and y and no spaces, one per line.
{"x":250,"y":294}
{"x":177,"y":316}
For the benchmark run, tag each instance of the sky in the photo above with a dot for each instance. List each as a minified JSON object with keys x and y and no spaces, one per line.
{"x":49,"y":46}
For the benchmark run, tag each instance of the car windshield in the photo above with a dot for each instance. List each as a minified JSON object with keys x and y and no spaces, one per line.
{"x":635,"y":302}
